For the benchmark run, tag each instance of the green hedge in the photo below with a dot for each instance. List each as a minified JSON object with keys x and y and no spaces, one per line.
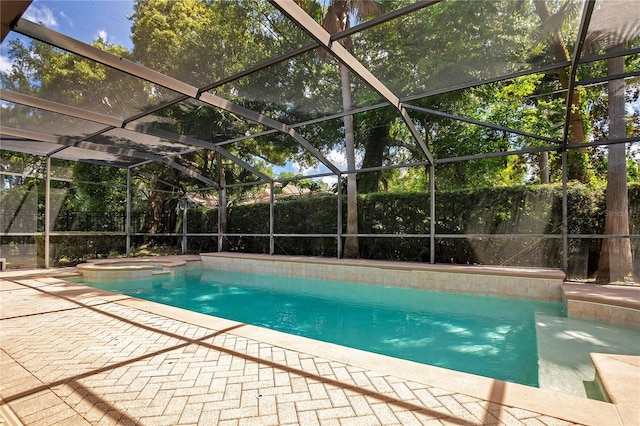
{"x":525,"y":210}
{"x":519,"y":210}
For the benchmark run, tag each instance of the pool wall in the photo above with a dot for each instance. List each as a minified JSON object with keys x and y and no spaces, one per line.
{"x":521,"y":283}
{"x":136,"y":267}
{"x":607,"y":303}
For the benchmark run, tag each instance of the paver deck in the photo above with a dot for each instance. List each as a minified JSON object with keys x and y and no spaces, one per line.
{"x":74,"y":355}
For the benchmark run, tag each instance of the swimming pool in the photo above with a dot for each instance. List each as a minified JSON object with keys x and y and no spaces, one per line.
{"x":520,"y":341}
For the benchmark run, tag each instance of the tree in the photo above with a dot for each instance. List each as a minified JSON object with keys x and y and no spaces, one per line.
{"x":201,"y":43}
{"x":338,"y":19}
{"x":616,"y":259}
{"x":577,"y":161}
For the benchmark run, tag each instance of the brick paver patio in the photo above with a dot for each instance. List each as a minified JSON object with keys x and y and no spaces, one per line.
{"x":71,"y":357}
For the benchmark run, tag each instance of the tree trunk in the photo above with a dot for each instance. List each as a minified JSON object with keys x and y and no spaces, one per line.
{"x":544,"y":167}
{"x":577,"y":159}
{"x":616,"y":262}
{"x":156,"y":221}
{"x":351,"y":249}
{"x":222,"y":201}
{"x":373,"y":156}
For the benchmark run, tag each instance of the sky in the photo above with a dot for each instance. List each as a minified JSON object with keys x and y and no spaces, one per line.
{"x":85,"y":20}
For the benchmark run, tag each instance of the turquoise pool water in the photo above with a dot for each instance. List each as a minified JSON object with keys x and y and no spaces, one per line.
{"x":494,"y":337}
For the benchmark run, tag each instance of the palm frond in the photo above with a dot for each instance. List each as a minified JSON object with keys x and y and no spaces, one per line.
{"x":553,"y":23}
{"x":613,"y":23}
{"x":364,"y":8}
{"x":332,"y":21}
{"x":337,"y":19}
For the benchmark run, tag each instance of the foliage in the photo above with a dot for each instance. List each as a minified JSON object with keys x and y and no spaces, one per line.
{"x":525,"y":210}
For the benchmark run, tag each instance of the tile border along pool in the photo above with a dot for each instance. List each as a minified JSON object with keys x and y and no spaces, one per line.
{"x":529,"y":283}
{"x":55,"y":370}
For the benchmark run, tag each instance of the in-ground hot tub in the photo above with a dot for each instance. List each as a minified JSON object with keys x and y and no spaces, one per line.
{"x":133,"y":268}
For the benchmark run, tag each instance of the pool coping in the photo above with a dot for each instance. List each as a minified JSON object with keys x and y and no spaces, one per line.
{"x":616,"y":304}
{"x":508,"y":271}
{"x":522,"y":283}
{"x":567,"y":407}
{"x":134,"y":267}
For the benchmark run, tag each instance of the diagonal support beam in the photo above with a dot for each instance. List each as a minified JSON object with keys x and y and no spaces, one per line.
{"x":296,"y":14}
{"x":187,"y":171}
{"x":42,"y":137}
{"x":188,"y":140}
{"x":155,"y":179}
{"x":243,"y":164}
{"x":416,"y":135}
{"x":71,"y":111}
{"x":69,"y":44}
{"x":481,"y":123}
{"x":222,"y":103}
{"x":109,"y":121}
{"x":299,"y":17}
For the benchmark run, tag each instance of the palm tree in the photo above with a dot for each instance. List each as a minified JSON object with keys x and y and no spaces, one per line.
{"x":613,"y":24}
{"x":578,"y":162}
{"x":338,"y":19}
{"x":616,"y":257}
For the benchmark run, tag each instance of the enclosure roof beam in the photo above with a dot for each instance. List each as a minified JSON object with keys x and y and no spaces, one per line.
{"x":222,"y":103}
{"x":306,"y":123}
{"x":482,"y":82}
{"x":607,"y":78}
{"x":101,"y":118}
{"x":389,"y":16}
{"x":189,"y":172}
{"x":11,"y":11}
{"x":43,"y":104}
{"x":74,"y":112}
{"x":298,"y":16}
{"x":337,"y":36}
{"x":67,"y":142}
{"x":141,"y":128}
{"x":155,"y":179}
{"x":46,"y":35}
{"x":69,"y":44}
{"x":243,"y":164}
{"x":188,"y":140}
{"x":481,"y":123}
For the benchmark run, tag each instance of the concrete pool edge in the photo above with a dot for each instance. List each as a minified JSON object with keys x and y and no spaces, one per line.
{"x":135,"y":267}
{"x":522,"y":283}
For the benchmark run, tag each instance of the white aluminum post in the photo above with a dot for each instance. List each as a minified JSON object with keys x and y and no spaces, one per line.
{"x":184,"y":225}
{"x":432,"y":214}
{"x":47,"y":213}
{"x":128,"y":219}
{"x":339,"y":225}
{"x":272,"y":243}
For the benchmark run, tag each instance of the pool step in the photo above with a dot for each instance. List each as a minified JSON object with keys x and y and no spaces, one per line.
{"x":160,"y":272}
